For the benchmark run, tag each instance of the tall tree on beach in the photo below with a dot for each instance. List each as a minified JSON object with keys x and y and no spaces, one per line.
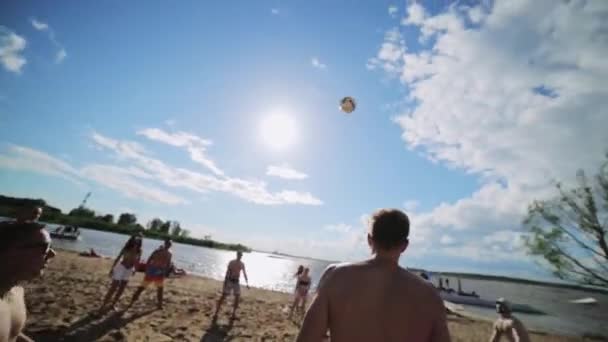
{"x":569,"y":231}
{"x":127,"y":219}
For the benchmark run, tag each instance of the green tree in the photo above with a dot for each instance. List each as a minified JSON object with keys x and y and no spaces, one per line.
{"x":127,"y":219}
{"x":176,"y":229}
{"x":165,"y":227}
{"x":184,"y":233}
{"x":109,"y":218}
{"x":569,"y":231}
{"x":82,"y":212}
{"x":155,"y":224}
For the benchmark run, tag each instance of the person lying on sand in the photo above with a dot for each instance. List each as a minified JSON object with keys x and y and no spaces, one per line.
{"x":376,"y":300}
{"x":121,"y":272}
{"x":156,"y":268}
{"x":25,"y":249}
{"x":232,"y":283}
{"x":175,"y":272}
{"x":301,"y":293}
{"x":91,"y":254}
{"x":508,"y":325}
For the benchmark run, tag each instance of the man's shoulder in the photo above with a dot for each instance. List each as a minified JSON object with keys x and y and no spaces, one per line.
{"x":17,"y":291}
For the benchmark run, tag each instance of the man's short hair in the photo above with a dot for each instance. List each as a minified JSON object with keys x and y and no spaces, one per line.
{"x":389,"y":228}
{"x":12,"y":232}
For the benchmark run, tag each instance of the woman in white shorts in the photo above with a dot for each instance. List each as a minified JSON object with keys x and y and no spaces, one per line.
{"x":301,"y":293}
{"x":120,"y":273}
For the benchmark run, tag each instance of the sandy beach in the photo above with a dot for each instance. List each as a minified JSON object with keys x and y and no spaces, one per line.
{"x":61,"y":302}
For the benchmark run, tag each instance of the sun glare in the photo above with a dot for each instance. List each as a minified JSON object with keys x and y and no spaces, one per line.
{"x":278,"y":131}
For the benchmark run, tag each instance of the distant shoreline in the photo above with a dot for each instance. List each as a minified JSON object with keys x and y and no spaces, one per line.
{"x":11,"y":207}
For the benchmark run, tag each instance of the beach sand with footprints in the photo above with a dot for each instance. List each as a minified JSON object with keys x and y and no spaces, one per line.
{"x":61,"y":303}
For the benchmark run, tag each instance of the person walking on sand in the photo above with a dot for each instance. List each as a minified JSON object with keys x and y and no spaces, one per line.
{"x":25,"y":249}
{"x":232,"y":283}
{"x":156,"y":269}
{"x":376,"y":299}
{"x":301,"y":293}
{"x":129,"y":256}
{"x":508,"y":325}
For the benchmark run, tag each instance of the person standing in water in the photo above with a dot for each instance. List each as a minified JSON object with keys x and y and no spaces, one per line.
{"x":508,"y":325}
{"x":232,"y":283}
{"x":376,"y":299}
{"x":157,"y":266}
{"x":301,"y":293}
{"x":120,"y":273}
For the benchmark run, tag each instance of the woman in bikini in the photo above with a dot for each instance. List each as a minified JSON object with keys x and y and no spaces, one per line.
{"x":120,"y":273}
{"x":301,"y":293}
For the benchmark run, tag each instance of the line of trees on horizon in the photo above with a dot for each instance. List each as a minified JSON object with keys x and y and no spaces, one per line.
{"x":126,"y":223}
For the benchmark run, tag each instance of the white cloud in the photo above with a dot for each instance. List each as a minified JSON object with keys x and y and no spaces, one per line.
{"x":519,"y":99}
{"x":317,"y":63}
{"x":392,"y":10}
{"x":11,"y":47}
{"x":411,"y":205}
{"x":26,"y":159}
{"x":250,"y":190}
{"x":196,"y":146}
{"x":39,"y":25}
{"x":124,"y":180}
{"x":275,"y":11}
{"x":339,"y":228}
{"x":446,"y":240}
{"x":415,"y":14}
{"x":285,"y":171}
{"x":61,"y":55}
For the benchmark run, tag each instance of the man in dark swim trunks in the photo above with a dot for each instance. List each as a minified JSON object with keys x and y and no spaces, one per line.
{"x":231,"y":283}
{"x":156,"y":268}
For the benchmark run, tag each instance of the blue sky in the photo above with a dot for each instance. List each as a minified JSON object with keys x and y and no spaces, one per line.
{"x":158,"y":110}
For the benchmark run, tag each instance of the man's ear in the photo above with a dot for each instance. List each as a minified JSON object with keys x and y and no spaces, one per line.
{"x":370,"y":243}
{"x":404,"y":245}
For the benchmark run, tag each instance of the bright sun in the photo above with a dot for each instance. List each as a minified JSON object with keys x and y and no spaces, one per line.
{"x":278,"y":131}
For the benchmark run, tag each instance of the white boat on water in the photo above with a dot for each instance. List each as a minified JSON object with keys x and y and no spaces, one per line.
{"x":66,"y":233}
{"x":473,"y":299}
{"x":587,"y":301}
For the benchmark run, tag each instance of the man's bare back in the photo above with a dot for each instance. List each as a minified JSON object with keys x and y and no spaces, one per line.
{"x":12,"y":314}
{"x":375,"y":301}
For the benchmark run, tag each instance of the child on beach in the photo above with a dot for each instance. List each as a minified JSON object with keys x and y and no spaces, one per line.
{"x":120,"y":273}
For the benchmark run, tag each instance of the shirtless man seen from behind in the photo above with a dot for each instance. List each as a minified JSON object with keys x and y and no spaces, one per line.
{"x":232,"y":283}
{"x":376,"y":300}
{"x":508,"y":325}
{"x":25,"y":249}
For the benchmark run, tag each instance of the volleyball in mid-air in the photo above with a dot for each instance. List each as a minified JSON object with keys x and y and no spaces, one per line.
{"x":348,"y":105}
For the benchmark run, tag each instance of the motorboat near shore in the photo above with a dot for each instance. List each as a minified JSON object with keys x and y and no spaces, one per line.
{"x":66,"y":233}
{"x":458,"y":296}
